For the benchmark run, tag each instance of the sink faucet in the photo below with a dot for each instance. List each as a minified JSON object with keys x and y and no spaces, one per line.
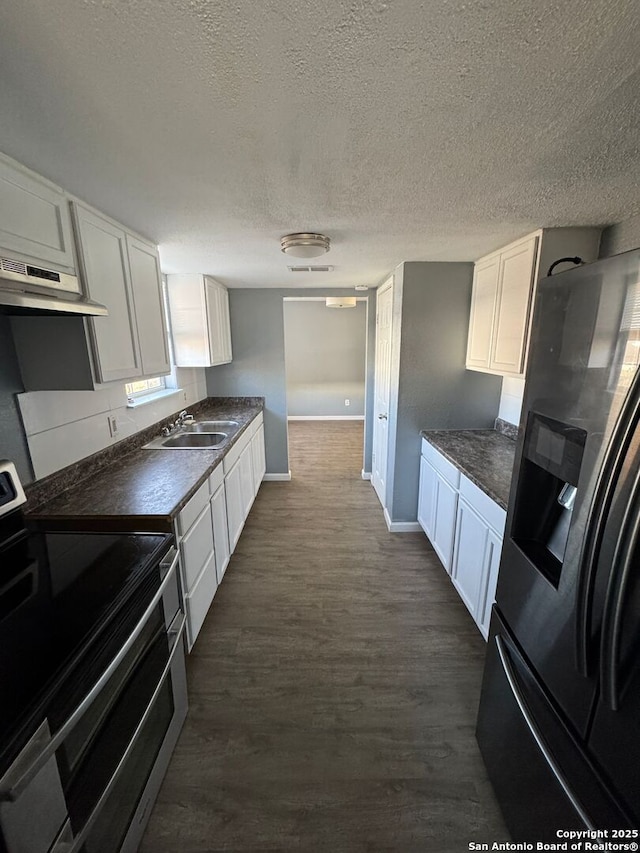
{"x":182,"y":418}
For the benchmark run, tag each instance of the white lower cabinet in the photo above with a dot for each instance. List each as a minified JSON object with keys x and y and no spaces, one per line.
{"x":209,"y":526}
{"x":258,"y":458}
{"x":220,"y":531}
{"x":194,"y":533}
{"x":444,"y":520}
{"x":438,"y":501}
{"x":465,"y":527}
{"x":198,"y":601}
{"x":244,"y":470}
{"x":426,"y":496}
{"x":235,"y":505}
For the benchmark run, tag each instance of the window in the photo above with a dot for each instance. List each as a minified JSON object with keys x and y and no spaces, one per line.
{"x":144,"y":387}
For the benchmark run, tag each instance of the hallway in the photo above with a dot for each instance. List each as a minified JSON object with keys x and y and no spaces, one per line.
{"x":334,"y":687}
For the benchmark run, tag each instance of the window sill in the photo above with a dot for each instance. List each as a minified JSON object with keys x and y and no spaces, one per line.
{"x":152,"y":398}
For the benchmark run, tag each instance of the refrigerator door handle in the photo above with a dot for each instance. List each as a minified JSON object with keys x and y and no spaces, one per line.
{"x":535,"y":733}
{"x":619,"y":442}
{"x":615,"y":599}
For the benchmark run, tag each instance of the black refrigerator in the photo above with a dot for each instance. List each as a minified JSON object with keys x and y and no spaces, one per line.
{"x":559,"y":717}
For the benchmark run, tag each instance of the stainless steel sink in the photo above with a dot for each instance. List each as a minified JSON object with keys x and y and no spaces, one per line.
{"x":209,"y":426}
{"x":184,"y":440}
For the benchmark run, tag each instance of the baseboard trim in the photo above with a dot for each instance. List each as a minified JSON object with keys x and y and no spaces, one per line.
{"x":366,"y":475}
{"x":277,"y":478}
{"x":325,"y":417}
{"x":401,"y":526}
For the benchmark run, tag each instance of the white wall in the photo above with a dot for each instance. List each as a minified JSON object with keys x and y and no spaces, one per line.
{"x":325,"y":352}
{"x":511,"y":400}
{"x":63,"y":427}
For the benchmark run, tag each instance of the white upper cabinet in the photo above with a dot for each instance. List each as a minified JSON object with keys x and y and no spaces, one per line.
{"x":200,"y":325}
{"x":511,"y":313}
{"x":104,"y":263}
{"x":122,"y":271}
{"x":504,"y":291}
{"x":35,"y":226}
{"x":146,"y":283}
{"x":483,"y":301}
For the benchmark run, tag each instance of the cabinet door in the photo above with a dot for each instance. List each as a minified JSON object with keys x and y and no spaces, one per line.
{"x":220,"y":531}
{"x":491,"y":565}
{"x":258,"y":458}
{"x":102,"y":250}
{"x":35,"y":224}
{"x":146,"y":284}
{"x":225,"y":326}
{"x":196,"y":548}
{"x":235,"y":507}
{"x":426,"y":496}
{"x":246,"y":479}
{"x":217,"y":302}
{"x":468,"y":562}
{"x":444,"y":520}
{"x":483,"y":301}
{"x":515,"y":288}
{"x":198,"y":601}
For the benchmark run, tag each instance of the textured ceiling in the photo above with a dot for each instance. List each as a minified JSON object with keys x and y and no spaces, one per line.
{"x":434,"y":130}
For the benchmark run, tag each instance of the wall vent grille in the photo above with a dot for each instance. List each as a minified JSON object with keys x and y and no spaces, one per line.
{"x":324,"y":268}
{"x":14,"y":266}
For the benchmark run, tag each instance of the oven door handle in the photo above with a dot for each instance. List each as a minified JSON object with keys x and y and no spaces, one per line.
{"x":71,"y":842}
{"x":41,"y":748}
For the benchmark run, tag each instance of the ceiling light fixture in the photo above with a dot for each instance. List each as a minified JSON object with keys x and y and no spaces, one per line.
{"x":341,"y":302}
{"x":304,"y":245}
{"x":361,"y":287}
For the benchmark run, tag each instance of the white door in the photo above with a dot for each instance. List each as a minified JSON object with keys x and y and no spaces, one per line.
{"x":382,"y":390}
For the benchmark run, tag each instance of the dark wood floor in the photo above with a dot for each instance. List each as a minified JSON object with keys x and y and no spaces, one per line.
{"x":334,"y":687}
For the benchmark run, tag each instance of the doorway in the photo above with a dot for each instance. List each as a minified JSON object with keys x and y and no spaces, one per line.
{"x":325,"y":365}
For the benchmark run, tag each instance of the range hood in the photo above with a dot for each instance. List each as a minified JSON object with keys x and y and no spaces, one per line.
{"x":26,"y":289}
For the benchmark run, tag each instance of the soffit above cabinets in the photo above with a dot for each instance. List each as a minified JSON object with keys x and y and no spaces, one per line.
{"x":434,"y":131}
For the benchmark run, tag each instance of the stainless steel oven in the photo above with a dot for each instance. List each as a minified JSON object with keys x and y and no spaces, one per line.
{"x":90,"y":742}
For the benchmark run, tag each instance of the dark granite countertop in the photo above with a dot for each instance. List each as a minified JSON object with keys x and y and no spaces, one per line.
{"x":485,"y":456}
{"x":141,"y":489}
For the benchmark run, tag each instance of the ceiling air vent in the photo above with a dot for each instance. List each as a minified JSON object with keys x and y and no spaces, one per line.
{"x":324,"y":268}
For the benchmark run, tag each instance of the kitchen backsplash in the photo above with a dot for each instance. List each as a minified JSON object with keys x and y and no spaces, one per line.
{"x":63,"y":427}
{"x":511,"y":400}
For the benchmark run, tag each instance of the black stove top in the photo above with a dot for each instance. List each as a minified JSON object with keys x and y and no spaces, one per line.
{"x":59,"y":593}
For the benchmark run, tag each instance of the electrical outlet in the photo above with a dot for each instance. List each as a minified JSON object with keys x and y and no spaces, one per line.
{"x":113,"y":425}
{"x":347,"y":402}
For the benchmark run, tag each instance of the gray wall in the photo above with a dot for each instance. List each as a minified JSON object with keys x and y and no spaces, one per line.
{"x":431,"y":389}
{"x":620,"y":237}
{"x":13,"y":443}
{"x":258,"y":366}
{"x":325,"y":350}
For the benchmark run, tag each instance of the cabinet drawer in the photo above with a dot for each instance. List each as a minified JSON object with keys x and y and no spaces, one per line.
{"x":236,"y":451}
{"x":199,"y":600}
{"x":485,"y":506}
{"x":216,"y":479}
{"x":196,"y":548}
{"x":193,"y":509}
{"x":442,"y":465}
